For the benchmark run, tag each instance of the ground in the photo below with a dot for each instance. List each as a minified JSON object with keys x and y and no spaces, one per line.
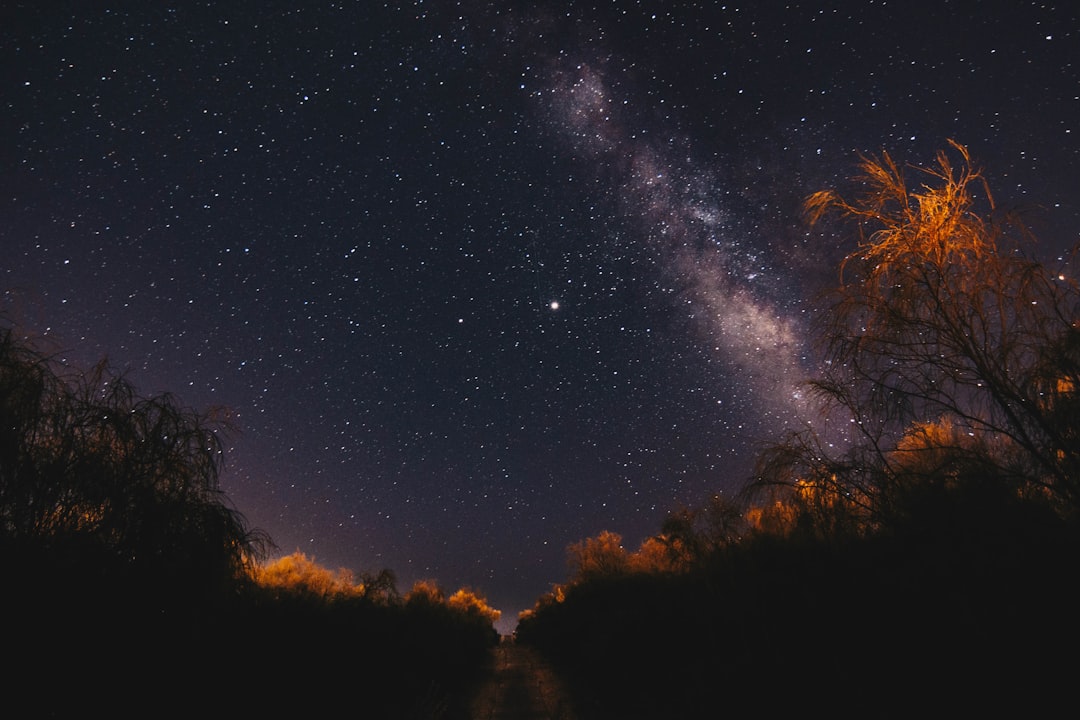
{"x":522,"y":687}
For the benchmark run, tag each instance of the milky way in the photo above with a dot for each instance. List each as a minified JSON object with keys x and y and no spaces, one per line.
{"x":707,"y":267}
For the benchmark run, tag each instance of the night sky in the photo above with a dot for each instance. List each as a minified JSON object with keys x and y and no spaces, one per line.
{"x":480,"y":280}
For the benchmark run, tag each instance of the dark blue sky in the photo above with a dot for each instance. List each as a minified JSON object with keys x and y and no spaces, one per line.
{"x":348,"y":223}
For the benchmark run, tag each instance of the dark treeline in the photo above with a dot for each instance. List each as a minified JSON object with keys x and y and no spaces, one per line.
{"x":968,"y":611}
{"x":131,"y":587}
{"x":923,"y":561}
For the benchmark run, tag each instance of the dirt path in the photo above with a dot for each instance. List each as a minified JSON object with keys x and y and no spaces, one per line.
{"x":522,"y":687}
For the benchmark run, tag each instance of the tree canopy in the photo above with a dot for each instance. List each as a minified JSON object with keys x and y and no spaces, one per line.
{"x":948,"y":347}
{"x":89,"y":467}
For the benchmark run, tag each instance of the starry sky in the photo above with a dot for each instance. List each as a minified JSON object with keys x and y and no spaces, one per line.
{"x":478,"y":280}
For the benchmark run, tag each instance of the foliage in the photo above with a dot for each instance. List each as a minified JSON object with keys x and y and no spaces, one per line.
{"x":948,"y":604}
{"x":941,"y":319}
{"x":425,"y":592}
{"x":673,"y":550}
{"x":473,"y":604}
{"x":126,"y":568}
{"x":920,"y":558}
{"x":600,"y":556}
{"x":89,"y":469}
{"x":417,"y":655}
{"x":297,"y":574}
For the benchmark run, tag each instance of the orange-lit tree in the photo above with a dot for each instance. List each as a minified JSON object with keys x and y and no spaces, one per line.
{"x":597,"y":558}
{"x":942,"y":318}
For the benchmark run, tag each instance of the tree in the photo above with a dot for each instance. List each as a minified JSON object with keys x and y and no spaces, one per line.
{"x":596,"y":558}
{"x":690,"y":535}
{"x":425,"y":593}
{"x":473,"y":604}
{"x":941,"y":317}
{"x":299,"y":574}
{"x":89,"y":468}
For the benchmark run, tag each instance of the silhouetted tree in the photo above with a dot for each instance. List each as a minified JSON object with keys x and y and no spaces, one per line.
{"x":87,"y":465}
{"x":125,"y":568}
{"x":693,"y":534}
{"x":380,"y":586}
